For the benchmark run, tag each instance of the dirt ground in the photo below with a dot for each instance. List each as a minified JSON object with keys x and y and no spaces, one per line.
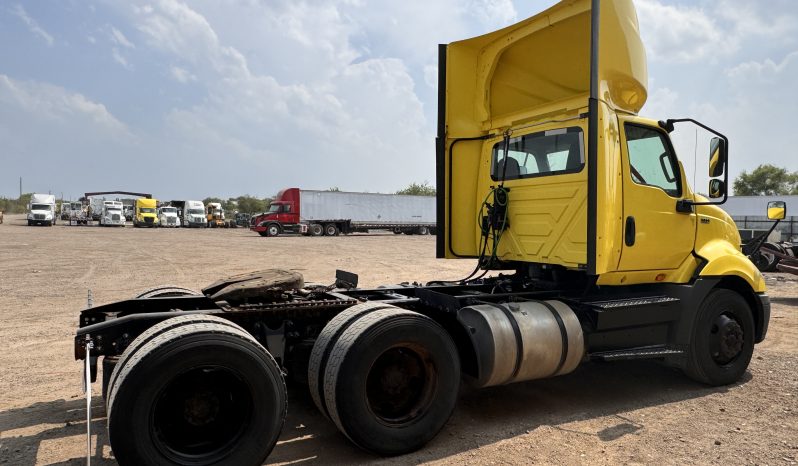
{"x":626,"y":412}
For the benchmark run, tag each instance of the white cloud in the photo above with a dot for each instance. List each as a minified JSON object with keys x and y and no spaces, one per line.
{"x":494,"y":13}
{"x":61,"y":140}
{"x":56,"y":104}
{"x":118,"y":38}
{"x":680,"y":34}
{"x":119,"y":58}
{"x":181,"y":75}
{"x":33,"y":26}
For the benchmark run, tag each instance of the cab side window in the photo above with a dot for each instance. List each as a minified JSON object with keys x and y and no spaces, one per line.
{"x":651,"y":160}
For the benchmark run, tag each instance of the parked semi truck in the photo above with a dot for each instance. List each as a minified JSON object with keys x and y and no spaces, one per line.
{"x":77,"y":213}
{"x":167,"y":217}
{"x":191,"y":213}
{"x":112,"y":214}
{"x":41,"y":210}
{"x":607,"y":254}
{"x":215,"y":215}
{"x":330,"y":213}
{"x":146,"y":214}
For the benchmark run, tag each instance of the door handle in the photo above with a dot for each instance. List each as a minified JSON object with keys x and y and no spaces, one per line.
{"x":629,"y":231}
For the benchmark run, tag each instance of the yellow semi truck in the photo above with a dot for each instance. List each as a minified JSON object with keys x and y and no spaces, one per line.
{"x":544,"y":172}
{"x":145,"y":213}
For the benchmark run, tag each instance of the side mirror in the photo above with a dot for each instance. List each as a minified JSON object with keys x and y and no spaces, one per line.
{"x":717,"y":188}
{"x":717,"y":157}
{"x":777,"y":210}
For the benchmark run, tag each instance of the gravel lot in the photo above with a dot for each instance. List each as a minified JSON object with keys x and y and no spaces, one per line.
{"x":631,"y":412}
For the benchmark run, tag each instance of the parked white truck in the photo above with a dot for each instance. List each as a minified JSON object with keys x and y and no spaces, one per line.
{"x":167,"y":217}
{"x":96,"y":207}
{"x":41,"y":210}
{"x":112,"y":214}
{"x":191,"y":213}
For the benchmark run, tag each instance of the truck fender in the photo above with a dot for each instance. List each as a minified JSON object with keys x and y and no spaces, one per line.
{"x":723,"y":260}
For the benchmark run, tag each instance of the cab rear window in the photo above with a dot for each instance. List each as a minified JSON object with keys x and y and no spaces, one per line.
{"x":551,"y":152}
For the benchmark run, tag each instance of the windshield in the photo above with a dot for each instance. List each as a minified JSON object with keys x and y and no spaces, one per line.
{"x":168,"y":210}
{"x":114,"y":209}
{"x":278,"y":208}
{"x":147,"y":210}
{"x":40,"y":207}
{"x":195,"y":211}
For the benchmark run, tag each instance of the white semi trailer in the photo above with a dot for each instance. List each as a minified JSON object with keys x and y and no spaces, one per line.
{"x":329,"y":213}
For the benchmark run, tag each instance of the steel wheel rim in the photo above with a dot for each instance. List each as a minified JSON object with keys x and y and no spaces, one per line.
{"x":201,"y":414}
{"x":727,"y":339}
{"x":400,"y":384}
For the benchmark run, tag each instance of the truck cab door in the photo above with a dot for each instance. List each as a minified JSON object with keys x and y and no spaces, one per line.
{"x":656,"y":236}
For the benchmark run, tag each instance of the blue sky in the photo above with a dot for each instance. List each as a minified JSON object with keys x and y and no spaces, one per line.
{"x":201,"y":98}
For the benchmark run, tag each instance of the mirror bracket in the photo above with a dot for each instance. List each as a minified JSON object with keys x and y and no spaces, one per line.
{"x":684,"y":206}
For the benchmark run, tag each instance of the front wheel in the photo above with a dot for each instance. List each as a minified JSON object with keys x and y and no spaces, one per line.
{"x":722,"y":342}
{"x":273,"y":230}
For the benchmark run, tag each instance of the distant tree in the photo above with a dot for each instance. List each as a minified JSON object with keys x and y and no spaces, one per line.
{"x":15,"y":206}
{"x":208,"y":200}
{"x":766,"y":180}
{"x":252,"y":204}
{"x":418,"y":189}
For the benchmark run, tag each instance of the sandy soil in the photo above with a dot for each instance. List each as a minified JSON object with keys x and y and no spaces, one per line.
{"x":632,"y":412}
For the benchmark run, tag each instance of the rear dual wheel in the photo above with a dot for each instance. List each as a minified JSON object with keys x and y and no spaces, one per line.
{"x":331,"y":229}
{"x":316,"y":229}
{"x":408,"y":374}
{"x":213,"y":395}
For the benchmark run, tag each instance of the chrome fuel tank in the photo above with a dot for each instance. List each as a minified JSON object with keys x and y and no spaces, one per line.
{"x":529,"y":340}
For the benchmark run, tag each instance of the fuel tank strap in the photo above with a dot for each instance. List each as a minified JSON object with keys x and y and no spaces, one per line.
{"x":519,"y":341}
{"x":563,"y":335}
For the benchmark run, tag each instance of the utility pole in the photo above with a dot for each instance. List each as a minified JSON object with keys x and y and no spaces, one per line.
{"x":20,"y":187}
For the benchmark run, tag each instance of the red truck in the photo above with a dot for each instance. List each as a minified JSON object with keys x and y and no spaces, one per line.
{"x":330,"y":213}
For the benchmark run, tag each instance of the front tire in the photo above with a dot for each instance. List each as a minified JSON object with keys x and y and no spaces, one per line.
{"x":273,"y":230}
{"x":213,"y":395}
{"x":722,"y":342}
{"x":409,"y":374}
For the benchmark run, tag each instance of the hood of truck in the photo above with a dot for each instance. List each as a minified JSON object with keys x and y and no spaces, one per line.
{"x":540,"y":68}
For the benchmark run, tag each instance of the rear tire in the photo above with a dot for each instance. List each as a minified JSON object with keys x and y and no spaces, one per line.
{"x":408,"y":371}
{"x":423,"y":230}
{"x":331,"y":229}
{"x":722,"y":342}
{"x":213,"y":395}
{"x":316,"y":229}
{"x":117,"y":363}
{"x":324,"y":344}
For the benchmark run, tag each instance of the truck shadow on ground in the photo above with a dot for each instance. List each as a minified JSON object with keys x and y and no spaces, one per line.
{"x":482,"y":417}
{"x":491,"y":415}
{"x":788,"y":301}
{"x":54,"y":421}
